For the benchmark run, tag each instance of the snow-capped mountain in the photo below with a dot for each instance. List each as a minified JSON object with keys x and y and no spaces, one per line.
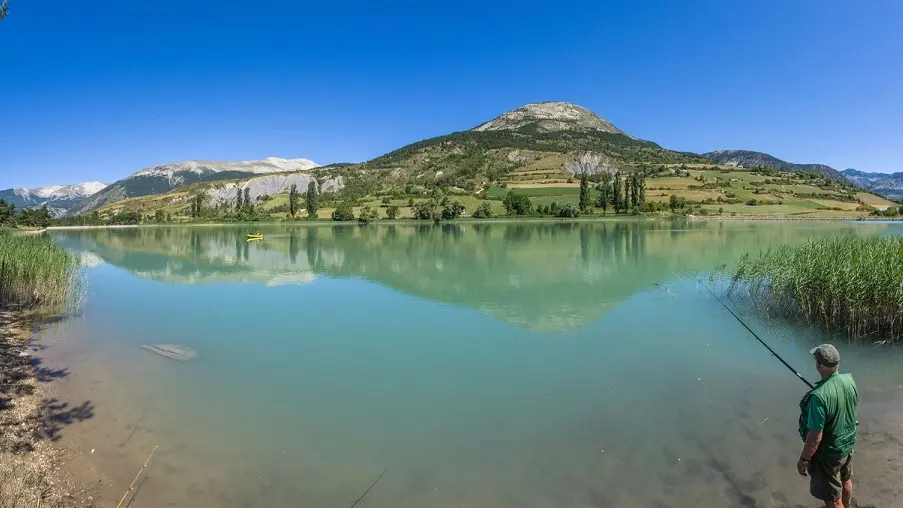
{"x":166,"y":177}
{"x":59,"y":198}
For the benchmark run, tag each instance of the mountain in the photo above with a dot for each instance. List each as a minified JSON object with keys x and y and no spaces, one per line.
{"x":550,"y":117}
{"x":748,"y":159}
{"x":535,"y":138}
{"x":58,"y":198}
{"x":219,"y":192}
{"x":889,"y":185}
{"x":164,"y":178}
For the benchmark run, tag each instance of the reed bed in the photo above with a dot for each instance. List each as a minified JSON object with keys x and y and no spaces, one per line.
{"x":847,"y":284}
{"x":36,"y":274}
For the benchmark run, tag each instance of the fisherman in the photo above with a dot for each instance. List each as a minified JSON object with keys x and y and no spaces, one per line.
{"x":827,"y":426}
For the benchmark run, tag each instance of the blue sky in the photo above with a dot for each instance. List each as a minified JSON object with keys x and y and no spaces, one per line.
{"x":97,"y":90}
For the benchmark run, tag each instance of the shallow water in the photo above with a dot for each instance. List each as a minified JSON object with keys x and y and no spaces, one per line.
{"x":491,"y":365}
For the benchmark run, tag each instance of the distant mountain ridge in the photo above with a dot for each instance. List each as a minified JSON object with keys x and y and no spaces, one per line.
{"x":530,"y":143}
{"x":166,"y":177}
{"x":58,"y":198}
{"x":889,"y":185}
{"x":749,"y":158}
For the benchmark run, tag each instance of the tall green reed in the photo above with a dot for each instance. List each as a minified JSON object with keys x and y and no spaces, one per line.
{"x":36,"y":274}
{"x":848,"y":284}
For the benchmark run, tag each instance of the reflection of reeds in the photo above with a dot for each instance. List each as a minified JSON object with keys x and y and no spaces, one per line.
{"x":35,"y":273}
{"x":850,"y":284}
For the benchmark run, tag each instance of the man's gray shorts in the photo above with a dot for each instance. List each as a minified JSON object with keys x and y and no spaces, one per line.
{"x":826,"y":477}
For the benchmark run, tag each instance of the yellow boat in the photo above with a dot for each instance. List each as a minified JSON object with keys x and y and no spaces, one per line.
{"x":256,"y":236}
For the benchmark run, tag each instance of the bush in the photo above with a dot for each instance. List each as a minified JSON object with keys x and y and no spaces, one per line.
{"x":368,"y":214}
{"x":655,"y":206}
{"x":676,"y":202}
{"x":392,"y":212}
{"x":423,"y":211}
{"x":568,"y":211}
{"x":483,"y":211}
{"x":343,"y":212}
{"x":452,"y":211}
{"x":125,"y":218}
{"x":752,"y":202}
{"x":892,"y":211}
{"x":517,"y":204}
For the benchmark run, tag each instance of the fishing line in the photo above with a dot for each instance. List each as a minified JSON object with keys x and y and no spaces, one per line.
{"x":369,"y":488}
{"x":754,"y":334}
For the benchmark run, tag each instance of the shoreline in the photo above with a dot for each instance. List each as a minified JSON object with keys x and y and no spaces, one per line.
{"x":499,"y":220}
{"x":34,"y":470}
{"x":781,"y":218}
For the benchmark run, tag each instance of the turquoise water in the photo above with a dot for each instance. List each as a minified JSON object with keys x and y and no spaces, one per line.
{"x":488,"y":365}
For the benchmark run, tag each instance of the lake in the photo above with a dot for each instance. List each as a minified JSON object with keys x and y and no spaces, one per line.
{"x":483,"y":365}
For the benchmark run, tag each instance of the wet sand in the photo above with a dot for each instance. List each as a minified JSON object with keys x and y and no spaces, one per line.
{"x":34,"y":469}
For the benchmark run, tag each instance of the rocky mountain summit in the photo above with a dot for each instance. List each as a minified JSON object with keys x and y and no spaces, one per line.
{"x":549,"y":117}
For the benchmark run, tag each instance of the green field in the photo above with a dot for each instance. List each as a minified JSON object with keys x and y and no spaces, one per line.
{"x":494,"y":192}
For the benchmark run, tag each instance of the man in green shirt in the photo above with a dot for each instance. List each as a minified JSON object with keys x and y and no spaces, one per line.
{"x":828,"y":429}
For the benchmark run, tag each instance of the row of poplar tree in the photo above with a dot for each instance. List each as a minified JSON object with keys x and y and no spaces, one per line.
{"x":622,"y":192}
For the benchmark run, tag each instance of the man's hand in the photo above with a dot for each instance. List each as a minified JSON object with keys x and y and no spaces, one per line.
{"x":801,"y":466}
{"x":813,"y":438}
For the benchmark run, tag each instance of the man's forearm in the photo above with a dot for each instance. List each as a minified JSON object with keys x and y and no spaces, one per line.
{"x":813,"y":438}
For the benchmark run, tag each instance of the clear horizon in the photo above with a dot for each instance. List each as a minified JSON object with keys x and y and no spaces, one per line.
{"x":95,"y":92}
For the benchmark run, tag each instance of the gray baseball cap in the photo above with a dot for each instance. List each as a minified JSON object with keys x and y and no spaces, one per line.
{"x":826,"y":354}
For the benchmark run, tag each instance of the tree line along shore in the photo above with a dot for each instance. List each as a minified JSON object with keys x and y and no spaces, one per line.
{"x":584,"y":190}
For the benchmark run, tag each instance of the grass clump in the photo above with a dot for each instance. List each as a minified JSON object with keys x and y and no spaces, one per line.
{"x":35,"y":273}
{"x":850,"y":284}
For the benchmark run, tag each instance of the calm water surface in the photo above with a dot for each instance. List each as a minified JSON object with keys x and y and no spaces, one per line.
{"x":490,"y":365}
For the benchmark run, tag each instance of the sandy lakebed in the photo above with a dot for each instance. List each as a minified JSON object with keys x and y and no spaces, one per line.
{"x":51,"y":428}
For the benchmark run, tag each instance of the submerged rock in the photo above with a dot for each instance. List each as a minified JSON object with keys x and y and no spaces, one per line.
{"x":171,"y":351}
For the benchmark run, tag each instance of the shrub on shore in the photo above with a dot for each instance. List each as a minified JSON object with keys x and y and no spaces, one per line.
{"x":846,"y":283}
{"x":35,"y":273}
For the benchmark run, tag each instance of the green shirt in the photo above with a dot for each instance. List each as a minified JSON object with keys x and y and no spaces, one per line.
{"x":832,"y":409}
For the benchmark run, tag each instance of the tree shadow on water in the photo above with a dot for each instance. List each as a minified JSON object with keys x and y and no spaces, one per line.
{"x":46,"y":374}
{"x":24,"y":419}
{"x":58,"y":414}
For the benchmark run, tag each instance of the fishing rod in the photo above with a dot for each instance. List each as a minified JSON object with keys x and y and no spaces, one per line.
{"x":754,"y":334}
{"x":369,"y":488}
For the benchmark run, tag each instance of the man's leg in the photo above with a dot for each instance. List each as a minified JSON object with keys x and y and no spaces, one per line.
{"x":847,"y":493}
{"x":846,"y":476}
{"x":825,"y":482}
